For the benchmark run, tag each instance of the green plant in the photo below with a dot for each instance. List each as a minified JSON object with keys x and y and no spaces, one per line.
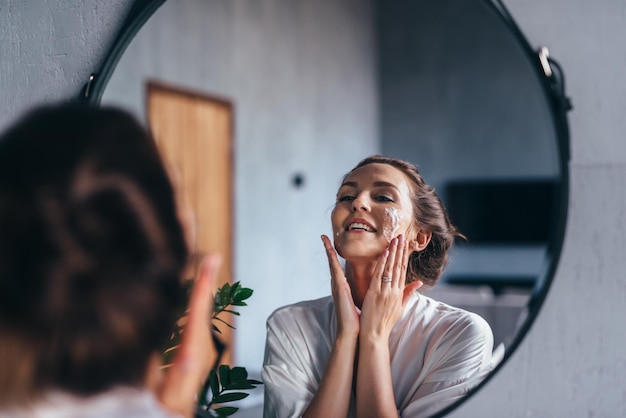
{"x":225,"y":383}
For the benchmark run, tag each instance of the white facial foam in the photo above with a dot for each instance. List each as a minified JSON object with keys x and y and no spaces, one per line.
{"x":391,"y":223}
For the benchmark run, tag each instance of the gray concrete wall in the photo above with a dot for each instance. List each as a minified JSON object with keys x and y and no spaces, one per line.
{"x":572,"y":363}
{"x":302,"y":79}
{"x":49,"y":48}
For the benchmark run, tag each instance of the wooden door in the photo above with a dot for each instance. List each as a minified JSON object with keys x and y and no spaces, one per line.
{"x":194,"y":135}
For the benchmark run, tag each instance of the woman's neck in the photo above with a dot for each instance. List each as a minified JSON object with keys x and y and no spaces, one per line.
{"x":359,"y":276}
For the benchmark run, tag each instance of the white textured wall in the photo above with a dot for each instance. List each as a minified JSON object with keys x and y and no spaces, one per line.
{"x":572,"y":363}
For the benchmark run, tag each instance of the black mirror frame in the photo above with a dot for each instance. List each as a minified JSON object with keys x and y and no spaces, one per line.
{"x":139,"y":13}
{"x":552,"y":79}
{"x":549,"y":75}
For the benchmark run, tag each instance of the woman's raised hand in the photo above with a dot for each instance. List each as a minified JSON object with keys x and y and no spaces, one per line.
{"x":347,"y":315}
{"x":197,"y":353}
{"x":387,"y":293}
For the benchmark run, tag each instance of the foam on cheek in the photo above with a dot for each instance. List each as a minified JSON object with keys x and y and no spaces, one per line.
{"x":391,"y":223}
{"x":336,"y":241}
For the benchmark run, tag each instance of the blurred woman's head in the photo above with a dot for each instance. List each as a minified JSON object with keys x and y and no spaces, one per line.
{"x":91,"y":252}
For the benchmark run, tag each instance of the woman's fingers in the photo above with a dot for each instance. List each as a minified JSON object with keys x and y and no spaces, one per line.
{"x":389,"y":278}
{"x":348,"y":318}
{"x":196,"y":353}
{"x":400,"y":264}
{"x":390,"y":271}
{"x":334,"y":265}
{"x":379,"y":270}
{"x":201,"y":300}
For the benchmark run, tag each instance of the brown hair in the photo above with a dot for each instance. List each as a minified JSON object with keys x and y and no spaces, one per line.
{"x":91,"y":252}
{"x":430,"y":215}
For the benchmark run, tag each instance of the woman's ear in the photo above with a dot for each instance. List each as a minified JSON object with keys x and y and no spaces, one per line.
{"x":421,"y":241}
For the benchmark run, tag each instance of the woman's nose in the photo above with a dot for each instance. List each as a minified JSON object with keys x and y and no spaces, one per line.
{"x":360,"y":203}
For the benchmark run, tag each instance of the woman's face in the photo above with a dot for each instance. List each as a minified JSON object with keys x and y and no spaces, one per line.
{"x":373,"y":207}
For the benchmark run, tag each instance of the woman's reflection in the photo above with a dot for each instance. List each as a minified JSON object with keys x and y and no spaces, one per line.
{"x":377,"y":347}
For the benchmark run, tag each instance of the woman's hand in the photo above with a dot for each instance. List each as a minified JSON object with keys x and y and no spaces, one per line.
{"x":387,"y":294}
{"x":333,"y":393}
{"x":347,"y":315}
{"x":196,"y":354}
{"x":382,"y":307}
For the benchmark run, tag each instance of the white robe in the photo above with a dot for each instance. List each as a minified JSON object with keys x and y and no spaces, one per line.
{"x":127,"y":402}
{"x":438,"y":353}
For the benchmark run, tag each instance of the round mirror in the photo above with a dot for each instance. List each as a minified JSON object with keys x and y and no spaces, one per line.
{"x":278,"y":99}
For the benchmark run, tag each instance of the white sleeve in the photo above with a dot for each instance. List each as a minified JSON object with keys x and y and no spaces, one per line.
{"x":460,"y":361}
{"x":290,"y":373}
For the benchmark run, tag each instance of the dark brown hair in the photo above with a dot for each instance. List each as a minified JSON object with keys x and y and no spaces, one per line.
{"x":430,"y":215}
{"x":91,"y":252}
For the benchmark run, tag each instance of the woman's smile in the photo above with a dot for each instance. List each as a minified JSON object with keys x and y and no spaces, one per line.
{"x":373,"y":206}
{"x":359,"y":225}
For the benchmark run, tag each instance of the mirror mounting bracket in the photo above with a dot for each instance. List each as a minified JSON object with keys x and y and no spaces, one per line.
{"x":544,"y":59}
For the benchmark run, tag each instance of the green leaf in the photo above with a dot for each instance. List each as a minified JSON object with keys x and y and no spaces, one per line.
{"x":223,"y":378}
{"x":224,"y":292}
{"x":254,"y":382}
{"x":226,"y":411}
{"x":231,"y":312}
{"x":229,"y":397}
{"x":218,"y":298}
{"x":224,"y":322}
{"x":234,"y":289}
{"x":243,"y":294}
{"x":237,"y":374}
{"x":224,"y":375}
{"x":240,"y":386}
{"x":214,"y":384}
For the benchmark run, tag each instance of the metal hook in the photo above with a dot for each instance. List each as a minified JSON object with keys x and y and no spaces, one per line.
{"x":544,"y":56}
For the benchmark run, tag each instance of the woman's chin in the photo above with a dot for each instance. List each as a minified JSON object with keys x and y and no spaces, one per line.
{"x":357,"y":247}
{"x":359,"y":255}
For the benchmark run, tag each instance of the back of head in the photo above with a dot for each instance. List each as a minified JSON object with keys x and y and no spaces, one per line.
{"x":91,"y":251}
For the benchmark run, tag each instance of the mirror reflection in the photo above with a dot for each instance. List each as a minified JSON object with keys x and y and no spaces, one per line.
{"x":275,"y":101}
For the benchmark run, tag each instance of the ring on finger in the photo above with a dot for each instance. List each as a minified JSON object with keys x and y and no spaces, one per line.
{"x":385,"y":279}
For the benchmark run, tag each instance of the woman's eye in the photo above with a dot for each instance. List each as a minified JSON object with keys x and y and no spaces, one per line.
{"x":345,"y":198}
{"x":383,"y":198}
